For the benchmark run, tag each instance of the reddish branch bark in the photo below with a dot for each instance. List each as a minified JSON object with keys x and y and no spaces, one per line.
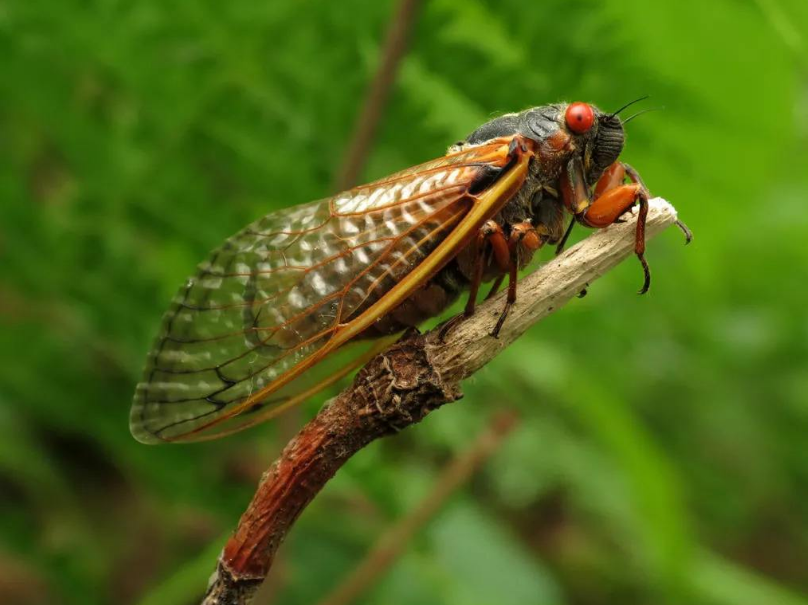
{"x":399,"y":388}
{"x":394,"y":390}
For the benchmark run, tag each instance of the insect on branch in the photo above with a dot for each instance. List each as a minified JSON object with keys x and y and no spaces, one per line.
{"x":399,"y":387}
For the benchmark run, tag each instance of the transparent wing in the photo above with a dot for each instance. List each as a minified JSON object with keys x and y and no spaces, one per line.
{"x":273,"y":297}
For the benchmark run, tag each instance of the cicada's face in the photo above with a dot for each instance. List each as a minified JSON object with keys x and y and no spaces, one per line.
{"x":562,"y":130}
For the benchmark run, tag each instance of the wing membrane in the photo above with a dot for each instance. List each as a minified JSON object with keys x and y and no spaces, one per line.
{"x":246,"y":337}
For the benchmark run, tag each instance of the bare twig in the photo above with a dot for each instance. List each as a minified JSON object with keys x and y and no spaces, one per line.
{"x":368,"y":121}
{"x":398,"y":388}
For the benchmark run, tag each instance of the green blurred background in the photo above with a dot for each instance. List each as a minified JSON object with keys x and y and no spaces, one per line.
{"x":661,"y":454}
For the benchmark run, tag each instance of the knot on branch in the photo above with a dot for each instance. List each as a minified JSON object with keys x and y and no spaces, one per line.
{"x":401,"y":386}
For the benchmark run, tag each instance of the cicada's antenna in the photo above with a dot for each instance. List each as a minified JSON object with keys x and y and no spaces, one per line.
{"x":629,"y":104}
{"x":639,"y":113}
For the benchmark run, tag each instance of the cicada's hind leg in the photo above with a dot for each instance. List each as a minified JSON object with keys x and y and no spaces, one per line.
{"x":522,"y":234}
{"x":491,"y":238}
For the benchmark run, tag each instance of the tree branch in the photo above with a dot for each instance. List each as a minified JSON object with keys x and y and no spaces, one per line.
{"x":398,"y":388}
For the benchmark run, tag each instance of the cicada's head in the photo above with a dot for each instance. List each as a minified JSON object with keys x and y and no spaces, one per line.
{"x":578,"y":128}
{"x":562,"y":129}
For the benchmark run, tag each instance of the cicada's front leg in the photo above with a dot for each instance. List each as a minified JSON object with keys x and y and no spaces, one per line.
{"x":611,"y":199}
{"x":620,"y":171}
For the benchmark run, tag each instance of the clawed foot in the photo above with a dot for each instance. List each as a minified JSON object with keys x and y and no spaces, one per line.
{"x":684,"y":229}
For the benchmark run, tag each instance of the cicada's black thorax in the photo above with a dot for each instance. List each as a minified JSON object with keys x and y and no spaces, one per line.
{"x":537,"y":123}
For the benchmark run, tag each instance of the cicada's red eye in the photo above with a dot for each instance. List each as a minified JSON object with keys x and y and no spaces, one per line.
{"x":580,"y":117}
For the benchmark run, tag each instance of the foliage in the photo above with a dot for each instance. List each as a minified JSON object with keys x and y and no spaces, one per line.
{"x":660,"y":457}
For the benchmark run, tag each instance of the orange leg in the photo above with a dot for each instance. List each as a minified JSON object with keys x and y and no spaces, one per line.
{"x":612,"y":199}
{"x":614,"y":176}
{"x":634,"y":176}
{"x":521,"y":233}
{"x":489,"y":234}
{"x":610,"y":206}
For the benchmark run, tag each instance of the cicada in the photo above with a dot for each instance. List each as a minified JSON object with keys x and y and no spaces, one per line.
{"x":304,"y":296}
